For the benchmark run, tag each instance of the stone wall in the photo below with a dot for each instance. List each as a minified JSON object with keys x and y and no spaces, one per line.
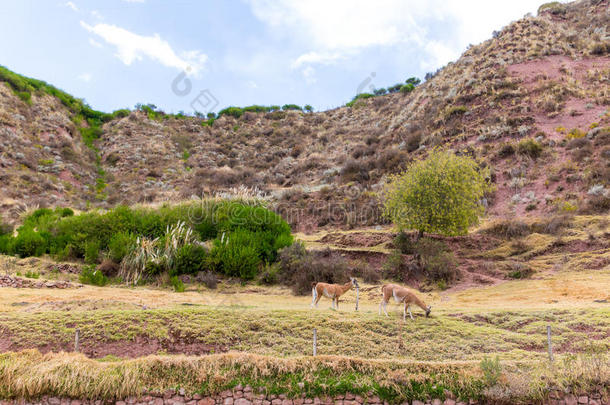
{"x":246,"y":396}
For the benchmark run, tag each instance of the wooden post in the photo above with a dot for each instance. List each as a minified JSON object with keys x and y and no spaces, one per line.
{"x":315,"y":341}
{"x":76,"y":340}
{"x":548,"y":337}
{"x":357,"y":295}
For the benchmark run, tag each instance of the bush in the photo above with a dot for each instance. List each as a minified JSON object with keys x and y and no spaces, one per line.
{"x":404,"y":243}
{"x":530,"y":148}
{"x":208,"y":278}
{"x":506,"y":150}
{"x":407,"y":88}
{"x":492,"y":370}
{"x":177,"y":284}
{"x":395,"y":268}
{"x":269,"y":275}
{"x":29,"y":243}
{"x":455,"y":110}
{"x":361,"y":96}
{"x":108,"y":268}
{"x":6,"y":245}
{"x":413,"y":141}
{"x":119,"y":245}
{"x":509,"y":229}
{"x":237,"y":255}
{"x":92,"y":251}
{"x":519,"y":271}
{"x":89,"y":275}
{"x":354,"y":170}
{"x":442,"y":193}
{"x":189,"y":259}
{"x":439,"y":263}
{"x":299,"y":268}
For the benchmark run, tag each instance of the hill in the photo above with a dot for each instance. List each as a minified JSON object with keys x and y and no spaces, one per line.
{"x":531,"y":102}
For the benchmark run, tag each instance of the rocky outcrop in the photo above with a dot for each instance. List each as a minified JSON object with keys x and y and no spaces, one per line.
{"x":19,"y":282}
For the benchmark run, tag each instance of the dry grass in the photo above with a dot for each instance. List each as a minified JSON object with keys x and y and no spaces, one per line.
{"x":29,"y":374}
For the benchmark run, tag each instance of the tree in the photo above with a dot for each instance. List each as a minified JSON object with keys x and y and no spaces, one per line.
{"x":441,"y":194}
{"x":413,"y":80}
{"x":308,"y":108}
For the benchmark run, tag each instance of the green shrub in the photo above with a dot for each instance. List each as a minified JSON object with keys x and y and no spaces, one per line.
{"x":88,"y":234}
{"x":6,"y":245}
{"x":189,"y":259}
{"x":119,"y":245}
{"x":32,"y":274}
{"x":237,"y":255}
{"x":413,"y":81}
{"x":65,"y":212}
{"x":440,"y":194}
{"x":492,"y":370}
{"x":407,"y":88}
{"x":293,"y":107}
{"x":177,"y":284}
{"x":92,"y":251}
{"x":29,"y":243}
{"x":404,"y":243}
{"x":90,"y":275}
{"x":530,"y":148}
{"x":357,"y":97}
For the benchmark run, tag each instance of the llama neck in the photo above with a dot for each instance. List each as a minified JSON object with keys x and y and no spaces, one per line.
{"x":345,"y":287}
{"x":419,"y":303}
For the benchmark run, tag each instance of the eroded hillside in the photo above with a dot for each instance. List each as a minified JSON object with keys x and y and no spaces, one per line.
{"x":532,"y":102}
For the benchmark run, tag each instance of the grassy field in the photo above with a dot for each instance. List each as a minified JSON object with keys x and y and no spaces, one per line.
{"x":138,"y":338}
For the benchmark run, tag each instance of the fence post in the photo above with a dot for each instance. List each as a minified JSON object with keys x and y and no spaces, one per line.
{"x":76,"y":340}
{"x":315,"y":341}
{"x":548,"y":338}
{"x":357,"y":296}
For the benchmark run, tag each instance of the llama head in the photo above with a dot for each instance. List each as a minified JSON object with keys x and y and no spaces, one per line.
{"x":428,"y":310}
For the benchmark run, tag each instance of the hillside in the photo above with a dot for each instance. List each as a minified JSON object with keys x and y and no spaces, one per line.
{"x":532,"y":102}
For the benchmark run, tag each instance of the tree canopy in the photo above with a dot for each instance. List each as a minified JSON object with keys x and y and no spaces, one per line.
{"x":440,"y":194}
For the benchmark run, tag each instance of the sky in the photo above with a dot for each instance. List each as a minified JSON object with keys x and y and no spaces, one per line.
{"x":187,"y":55}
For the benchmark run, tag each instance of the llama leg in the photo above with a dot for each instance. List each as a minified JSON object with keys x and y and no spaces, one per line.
{"x":337,"y":303}
{"x":380,"y":304}
{"x":410,"y":314}
{"x":404,"y":312}
{"x":385,"y":310}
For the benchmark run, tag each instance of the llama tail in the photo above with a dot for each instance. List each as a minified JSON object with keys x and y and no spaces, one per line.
{"x":314,"y":294}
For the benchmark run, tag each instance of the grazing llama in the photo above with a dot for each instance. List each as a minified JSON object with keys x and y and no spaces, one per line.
{"x":332,"y":291}
{"x":401,"y":294}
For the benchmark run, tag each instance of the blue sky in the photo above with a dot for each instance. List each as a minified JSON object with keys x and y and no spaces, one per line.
{"x":116,"y":53}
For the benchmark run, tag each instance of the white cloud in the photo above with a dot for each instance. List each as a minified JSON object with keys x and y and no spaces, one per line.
{"x":309,"y":75}
{"x":338,"y":29}
{"x":85,"y":77}
{"x":97,"y":15}
{"x":71,"y":5}
{"x":132,"y":47}
{"x":322,"y":58}
{"x":95,"y":43}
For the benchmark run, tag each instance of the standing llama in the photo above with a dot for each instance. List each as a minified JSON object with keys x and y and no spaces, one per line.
{"x":332,"y":291}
